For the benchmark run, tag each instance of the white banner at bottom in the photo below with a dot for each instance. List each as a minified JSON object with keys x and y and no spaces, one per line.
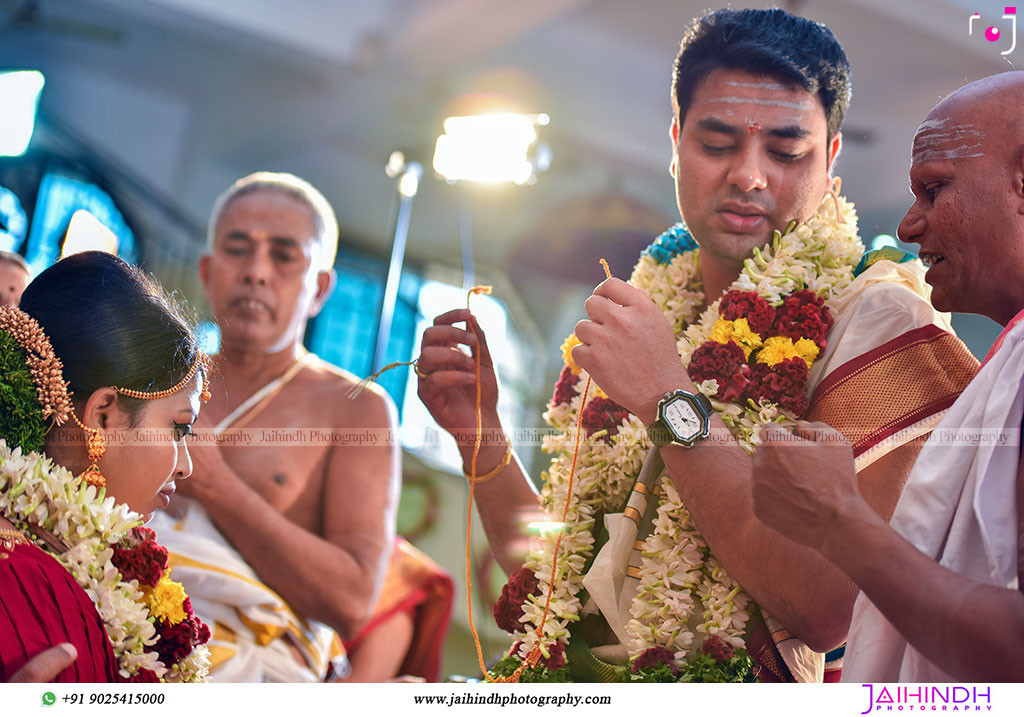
{"x":423,"y":700}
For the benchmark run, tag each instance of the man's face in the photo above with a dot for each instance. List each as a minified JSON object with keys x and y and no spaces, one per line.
{"x":965,"y":211}
{"x":751,"y":156}
{"x":261,"y":280}
{"x":13,"y":281}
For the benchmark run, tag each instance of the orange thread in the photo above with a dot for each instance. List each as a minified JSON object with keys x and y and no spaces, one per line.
{"x":534,"y":657}
{"x":565,"y":510}
{"x":472,"y":486}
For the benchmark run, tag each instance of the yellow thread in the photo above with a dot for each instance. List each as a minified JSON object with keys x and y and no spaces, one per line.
{"x":365,"y":383}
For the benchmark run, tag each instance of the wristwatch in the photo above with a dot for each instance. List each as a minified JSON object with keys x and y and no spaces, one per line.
{"x":683,"y":419}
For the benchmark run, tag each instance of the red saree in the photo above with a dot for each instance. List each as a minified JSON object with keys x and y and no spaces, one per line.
{"x":41,"y":605}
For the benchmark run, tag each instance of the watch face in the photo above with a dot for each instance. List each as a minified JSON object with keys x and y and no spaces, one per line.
{"x":682,"y":419}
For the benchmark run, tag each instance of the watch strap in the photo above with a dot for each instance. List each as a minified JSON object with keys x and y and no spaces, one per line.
{"x":705,"y":403}
{"x":659,"y":433}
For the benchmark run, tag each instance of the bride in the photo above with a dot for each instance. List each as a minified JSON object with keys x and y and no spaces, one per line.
{"x":100,"y":381}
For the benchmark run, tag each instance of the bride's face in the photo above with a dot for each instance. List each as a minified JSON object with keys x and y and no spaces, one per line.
{"x":142,"y":465}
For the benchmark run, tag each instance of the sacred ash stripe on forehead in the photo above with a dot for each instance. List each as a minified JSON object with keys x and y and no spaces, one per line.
{"x":758,"y":85}
{"x":939,"y":140}
{"x":802,"y":105}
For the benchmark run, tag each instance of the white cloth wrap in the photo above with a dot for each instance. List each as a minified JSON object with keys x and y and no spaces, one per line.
{"x":958,"y":507}
{"x":225,"y":589}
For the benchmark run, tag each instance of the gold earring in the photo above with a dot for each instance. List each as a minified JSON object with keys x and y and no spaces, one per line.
{"x":97,"y":447}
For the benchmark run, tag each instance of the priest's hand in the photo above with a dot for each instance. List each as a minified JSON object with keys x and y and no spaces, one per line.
{"x":804,"y":481}
{"x":447,"y":383}
{"x":629,"y":349}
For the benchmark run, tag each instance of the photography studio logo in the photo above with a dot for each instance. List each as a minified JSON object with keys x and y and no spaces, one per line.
{"x":928,"y":698}
{"x":994,"y":34}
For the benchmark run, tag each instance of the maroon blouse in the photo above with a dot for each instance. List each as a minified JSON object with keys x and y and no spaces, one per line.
{"x":41,"y":605}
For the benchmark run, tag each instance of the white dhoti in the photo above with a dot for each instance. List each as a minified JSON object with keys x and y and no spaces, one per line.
{"x":958,"y":507}
{"x":256,"y":635}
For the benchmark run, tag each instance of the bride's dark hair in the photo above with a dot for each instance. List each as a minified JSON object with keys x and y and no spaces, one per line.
{"x":111,"y":325}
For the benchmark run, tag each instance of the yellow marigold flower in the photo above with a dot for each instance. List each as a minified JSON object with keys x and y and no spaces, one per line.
{"x":567,"y":347}
{"x":596,"y":392}
{"x":779,"y":348}
{"x":739,"y":331}
{"x":807,"y":349}
{"x":166,"y":601}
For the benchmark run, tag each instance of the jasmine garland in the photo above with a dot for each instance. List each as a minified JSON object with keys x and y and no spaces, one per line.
{"x":35,"y":492}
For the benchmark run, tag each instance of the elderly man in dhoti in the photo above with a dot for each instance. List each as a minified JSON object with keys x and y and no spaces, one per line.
{"x":284,"y":540}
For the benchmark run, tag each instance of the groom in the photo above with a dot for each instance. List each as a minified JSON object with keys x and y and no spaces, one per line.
{"x":759,"y":97}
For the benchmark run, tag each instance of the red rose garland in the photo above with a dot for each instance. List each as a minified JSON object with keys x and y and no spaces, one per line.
{"x":777,"y":369}
{"x":726,"y":364}
{"x":803,"y":314}
{"x":565,"y":388}
{"x":820,"y":255}
{"x":509,"y":608}
{"x":750,"y":306}
{"x":603,"y":414}
{"x":139,"y":557}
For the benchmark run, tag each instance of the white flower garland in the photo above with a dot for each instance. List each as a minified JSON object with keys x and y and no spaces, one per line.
{"x":36,"y":491}
{"x":683,"y":589}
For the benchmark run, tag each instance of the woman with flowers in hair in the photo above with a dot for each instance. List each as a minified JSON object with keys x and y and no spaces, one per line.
{"x":101,"y":379}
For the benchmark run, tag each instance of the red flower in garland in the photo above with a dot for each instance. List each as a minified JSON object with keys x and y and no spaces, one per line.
{"x":652,"y":657}
{"x":144,"y":675}
{"x":749,"y":305}
{"x":139,"y":557}
{"x":717,"y":648}
{"x":726,"y":364}
{"x":177,"y":641}
{"x":803,"y":315}
{"x":784,"y":384}
{"x":603,"y":414}
{"x":565,"y":387}
{"x":556,"y":660}
{"x":509,"y":607}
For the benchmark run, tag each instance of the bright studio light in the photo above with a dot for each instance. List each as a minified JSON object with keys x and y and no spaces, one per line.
{"x":486,"y":148}
{"x":19,"y":96}
{"x":87,"y":233}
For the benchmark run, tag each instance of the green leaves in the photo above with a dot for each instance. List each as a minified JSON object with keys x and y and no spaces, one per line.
{"x":507,"y":666}
{"x":21,"y":418}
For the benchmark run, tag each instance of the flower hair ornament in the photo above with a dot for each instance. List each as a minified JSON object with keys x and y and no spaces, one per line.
{"x":51,"y":390}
